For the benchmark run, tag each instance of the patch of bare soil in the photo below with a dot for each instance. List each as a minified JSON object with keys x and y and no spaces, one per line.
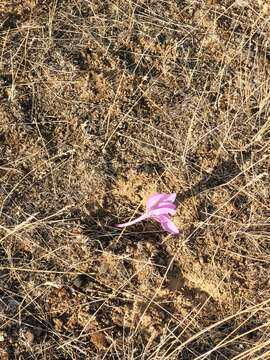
{"x":103,"y":103}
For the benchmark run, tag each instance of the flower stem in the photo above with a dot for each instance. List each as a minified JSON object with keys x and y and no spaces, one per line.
{"x":140,"y":218}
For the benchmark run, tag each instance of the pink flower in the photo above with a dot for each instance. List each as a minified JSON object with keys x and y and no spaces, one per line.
{"x":159,"y":207}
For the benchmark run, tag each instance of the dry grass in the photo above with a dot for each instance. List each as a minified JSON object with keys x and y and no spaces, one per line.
{"x":101,"y":104}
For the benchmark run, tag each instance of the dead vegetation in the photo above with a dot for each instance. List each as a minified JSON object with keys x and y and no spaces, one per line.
{"x":101,"y":104}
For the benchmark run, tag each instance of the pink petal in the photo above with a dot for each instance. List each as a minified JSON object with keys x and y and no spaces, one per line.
{"x":170,"y":197}
{"x":170,"y":227}
{"x":158,"y":197}
{"x":162,"y":211}
{"x":167,"y":224}
{"x":140,"y":218}
{"x":153,"y":200}
{"x":165,"y":205}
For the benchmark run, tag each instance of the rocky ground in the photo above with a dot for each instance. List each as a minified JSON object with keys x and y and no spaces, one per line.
{"x":103,"y":103}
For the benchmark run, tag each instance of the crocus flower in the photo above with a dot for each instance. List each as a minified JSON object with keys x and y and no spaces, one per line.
{"x":159,"y":207}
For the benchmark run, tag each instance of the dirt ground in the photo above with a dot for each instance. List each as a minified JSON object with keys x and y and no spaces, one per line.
{"x":103,"y":103}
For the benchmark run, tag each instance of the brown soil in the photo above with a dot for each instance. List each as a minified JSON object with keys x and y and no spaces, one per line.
{"x":103,"y":103}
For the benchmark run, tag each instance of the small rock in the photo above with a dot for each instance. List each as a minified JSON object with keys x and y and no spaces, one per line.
{"x":2,"y":337}
{"x":99,"y":340}
{"x":3,"y":354}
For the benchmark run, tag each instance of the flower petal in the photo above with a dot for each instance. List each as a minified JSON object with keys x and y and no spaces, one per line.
{"x":154,"y":199}
{"x":169,"y":226}
{"x":161,"y":211}
{"x":165,"y":205}
{"x":169,"y":197}
{"x":140,"y":218}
